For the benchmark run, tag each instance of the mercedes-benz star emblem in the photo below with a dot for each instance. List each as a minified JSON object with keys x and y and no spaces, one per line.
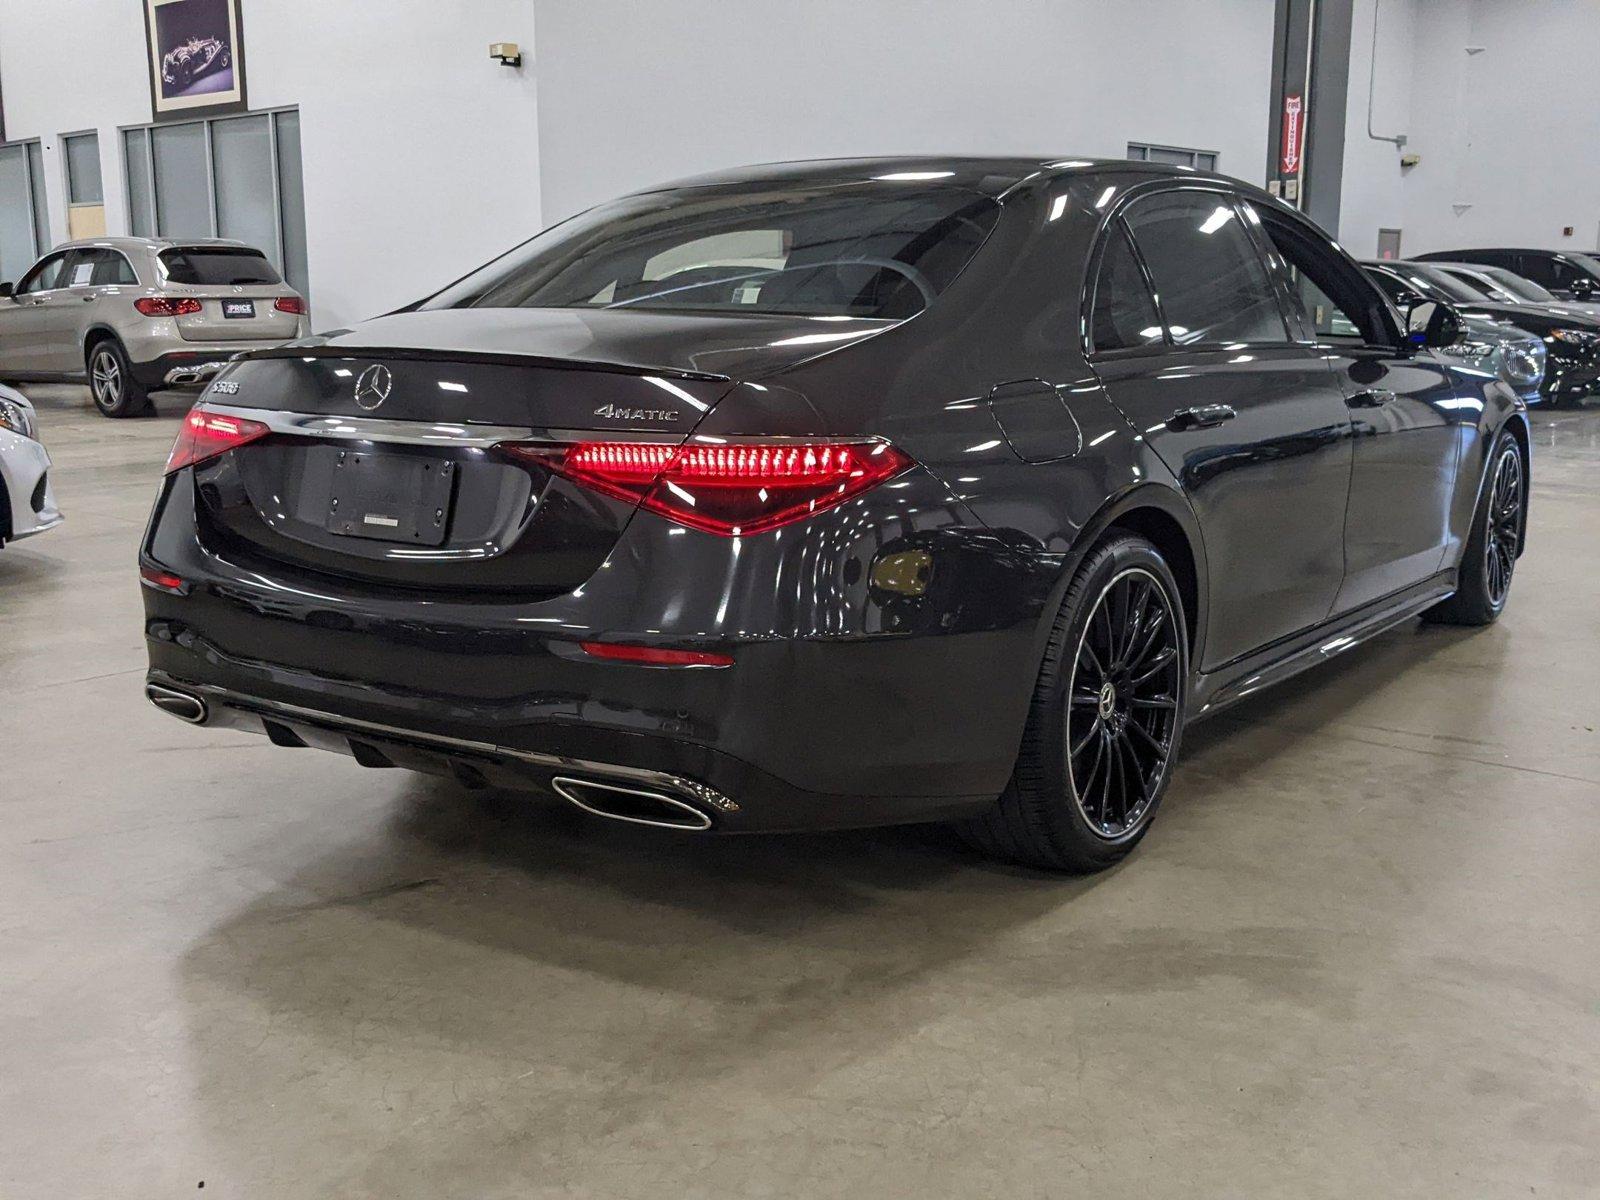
{"x":372,"y":386}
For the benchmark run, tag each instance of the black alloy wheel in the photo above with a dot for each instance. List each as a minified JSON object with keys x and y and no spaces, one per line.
{"x":1124,"y":704}
{"x":1504,"y":533}
{"x":1483,"y":582}
{"x":1106,"y":721}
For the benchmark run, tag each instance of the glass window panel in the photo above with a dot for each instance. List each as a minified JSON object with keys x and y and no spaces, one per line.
{"x":41,"y":209}
{"x":292,"y":202}
{"x":241,"y":152}
{"x":141,"y":214}
{"x":183,"y":202}
{"x":1124,"y":314}
{"x":83,"y":168}
{"x":1211,"y":281}
{"x":16,"y":214}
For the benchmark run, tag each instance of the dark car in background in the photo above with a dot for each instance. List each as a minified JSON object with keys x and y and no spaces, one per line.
{"x":836,"y":494}
{"x":1507,"y":287}
{"x":1571,"y":336}
{"x":1568,"y":274}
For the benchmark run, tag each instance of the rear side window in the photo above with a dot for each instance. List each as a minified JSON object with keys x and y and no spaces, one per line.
{"x":212,"y":266}
{"x":1124,"y":315}
{"x":114,"y":268}
{"x":863,"y":250}
{"x":1210,"y":280}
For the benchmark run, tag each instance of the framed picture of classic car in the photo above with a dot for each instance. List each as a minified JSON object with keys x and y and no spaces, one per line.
{"x":196,"y":58}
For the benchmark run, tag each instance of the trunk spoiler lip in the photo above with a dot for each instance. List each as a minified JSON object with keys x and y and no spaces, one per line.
{"x":430,"y":354}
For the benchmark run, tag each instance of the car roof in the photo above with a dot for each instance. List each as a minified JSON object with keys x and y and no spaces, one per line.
{"x":990,"y":175}
{"x":143,"y":243}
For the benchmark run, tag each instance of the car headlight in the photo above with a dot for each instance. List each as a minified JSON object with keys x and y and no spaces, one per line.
{"x":1582,"y":339}
{"x":15,"y":418}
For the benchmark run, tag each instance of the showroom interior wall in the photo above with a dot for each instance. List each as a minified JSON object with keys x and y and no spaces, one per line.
{"x":632,"y":94}
{"x":1494,"y":98}
{"x":420,"y":155}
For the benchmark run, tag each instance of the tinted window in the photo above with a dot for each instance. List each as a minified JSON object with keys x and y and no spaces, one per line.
{"x":1540,"y":268}
{"x":1123,"y":314}
{"x":1399,"y":293}
{"x":110,"y":267}
{"x":869,"y":251}
{"x":1485,"y":288}
{"x":45,"y":276}
{"x":1209,"y":279}
{"x":213,"y":265}
{"x":1336,"y":299}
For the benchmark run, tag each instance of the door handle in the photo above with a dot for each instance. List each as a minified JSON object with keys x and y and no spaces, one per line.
{"x":1371,"y":398}
{"x":88,"y":299}
{"x":1203,"y":416}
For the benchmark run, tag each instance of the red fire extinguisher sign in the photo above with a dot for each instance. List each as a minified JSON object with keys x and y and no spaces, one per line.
{"x":1294,"y":127}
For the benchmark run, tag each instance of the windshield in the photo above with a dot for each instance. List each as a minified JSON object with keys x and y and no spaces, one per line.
{"x":1522,"y":289}
{"x":214,"y":265}
{"x":1438,"y":285}
{"x":850,"y":250}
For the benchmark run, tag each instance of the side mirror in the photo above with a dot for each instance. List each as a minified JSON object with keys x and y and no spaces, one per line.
{"x":1434,"y":324}
{"x":1582,"y":288}
{"x":6,"y":288}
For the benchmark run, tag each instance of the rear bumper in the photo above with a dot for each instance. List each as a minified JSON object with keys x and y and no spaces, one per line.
{"x":169,"y":362}
{"x":724,"y":794}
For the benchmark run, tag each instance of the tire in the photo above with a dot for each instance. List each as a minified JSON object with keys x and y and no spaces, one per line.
{"x":115,"y":391}
{"x":1483,"y":583}
{"x":1102,"y":734}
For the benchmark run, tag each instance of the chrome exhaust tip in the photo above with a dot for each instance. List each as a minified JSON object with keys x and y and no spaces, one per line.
{"x":180,"y":704}
{"x":632,"y":805}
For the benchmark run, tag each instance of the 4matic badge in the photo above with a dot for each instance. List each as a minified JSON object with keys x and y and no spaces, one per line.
{"x":616,"y":412}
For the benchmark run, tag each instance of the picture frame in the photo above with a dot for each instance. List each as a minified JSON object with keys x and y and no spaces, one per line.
{"x":195,"y":50}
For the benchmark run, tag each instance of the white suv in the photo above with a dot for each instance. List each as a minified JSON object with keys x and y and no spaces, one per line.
{"x":130,"y":315}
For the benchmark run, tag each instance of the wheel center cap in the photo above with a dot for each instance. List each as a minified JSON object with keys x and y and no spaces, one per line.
{"x":1108,"y":700}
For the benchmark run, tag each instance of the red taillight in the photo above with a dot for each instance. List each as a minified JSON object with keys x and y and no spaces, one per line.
{"x":165,"y":306}
{"x":206,"y":434}
{"x":290,"y":304}
{"x":655,"y":656}
{"x":728,"y":488}
{"x":165,"y":581}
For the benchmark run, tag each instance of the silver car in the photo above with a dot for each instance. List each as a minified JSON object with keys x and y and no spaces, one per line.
{"x":130,"y":315}
{"x":27,"y":506}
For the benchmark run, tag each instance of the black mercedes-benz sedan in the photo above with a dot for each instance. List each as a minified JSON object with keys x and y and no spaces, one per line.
{"x":1570,"y":334}
{"x":836,"y":494}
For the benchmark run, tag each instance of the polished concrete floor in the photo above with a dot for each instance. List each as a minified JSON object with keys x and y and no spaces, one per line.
{"x":1358,"y":956}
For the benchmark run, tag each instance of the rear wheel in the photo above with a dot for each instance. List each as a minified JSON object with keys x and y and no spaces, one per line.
{"x":1484,"y":582}
{"x":1107,"y":716}
{"x":116,"y":392}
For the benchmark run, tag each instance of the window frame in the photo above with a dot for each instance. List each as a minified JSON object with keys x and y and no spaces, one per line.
{"x":1194,"y":154}
{"x":66,"y":167}
{"x":1289,"y":296}
{"x":276,"y":253}
{"x":32,"y":151}
{"x":1118,"y":212}
{"x":1096,"y":275}
{"x":38,"y":266}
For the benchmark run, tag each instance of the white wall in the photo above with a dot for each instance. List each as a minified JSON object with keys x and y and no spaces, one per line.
{"x":420,"y":154}
{"x":632,"y":94}
{"x":1509,"y":132}
{"x":1373,"y":196}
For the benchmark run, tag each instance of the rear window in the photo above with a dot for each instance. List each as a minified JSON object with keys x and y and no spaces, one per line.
{"x":859,"y":250}
{"x":214,"y":265}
